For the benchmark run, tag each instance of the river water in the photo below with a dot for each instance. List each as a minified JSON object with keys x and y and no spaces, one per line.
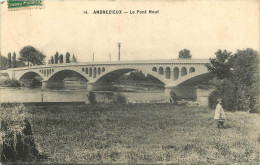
{"x":36,"y":95}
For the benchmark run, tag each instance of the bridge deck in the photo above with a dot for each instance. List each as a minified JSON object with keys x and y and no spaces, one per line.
{"x":133,"y":62}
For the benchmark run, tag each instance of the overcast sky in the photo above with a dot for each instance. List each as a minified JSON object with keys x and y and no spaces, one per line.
{"x":203,"y":27}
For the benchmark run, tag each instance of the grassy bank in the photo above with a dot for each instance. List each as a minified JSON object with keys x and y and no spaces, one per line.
{"x":144,"y":133}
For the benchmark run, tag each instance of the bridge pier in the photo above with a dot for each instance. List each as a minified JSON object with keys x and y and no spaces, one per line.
{"x":100,"y":86}
{"x":182,"y":92}
{"x":51,"y":84}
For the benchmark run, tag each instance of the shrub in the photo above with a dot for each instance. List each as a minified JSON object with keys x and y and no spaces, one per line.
{"x":226,"y":91}
{"x":11,"y":83}
{"x":228,"y":95}
{"x":173,"y":97}
{"x":119,"y":99}
{"x":212,"y":99}
{"x":18,"y":140}
{"x":92,"y":98}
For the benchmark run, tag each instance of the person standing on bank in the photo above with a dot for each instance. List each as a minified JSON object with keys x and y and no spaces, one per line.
{"x":219,"y":114}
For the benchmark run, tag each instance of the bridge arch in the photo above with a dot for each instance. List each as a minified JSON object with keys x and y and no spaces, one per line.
{"x":154,"y":69}
{"x":194,"y":79}
{"x":192,"y":69}
{"x":31,"y":78}
{"x":60,"y":75}
{"x":161,"y":70}
{"x":175,"y":73}
{"x":183,"y":71}
{"x":113,"y":73}
{"x":99,"y":70}
{"x":168,"y":72}
{"x":90,"y":72}
{"x":30,"y":75}
{"x":94,"y":72}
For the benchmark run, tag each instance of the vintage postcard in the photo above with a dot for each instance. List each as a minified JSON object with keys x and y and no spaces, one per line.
{"x":129,"y":82}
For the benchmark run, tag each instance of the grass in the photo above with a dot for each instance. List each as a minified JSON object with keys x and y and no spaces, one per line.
{"x":144,"y":133}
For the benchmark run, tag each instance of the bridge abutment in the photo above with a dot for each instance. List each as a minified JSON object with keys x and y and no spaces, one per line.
{"x":100,"y":86}
{"x":51,"y":84}
{"x":182,"y":92}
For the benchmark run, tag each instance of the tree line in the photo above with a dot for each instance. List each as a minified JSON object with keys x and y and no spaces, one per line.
{"x":236,"y":79}
{"x":59,"y":58}
{"x":10,"y":61}
{"x":31,"y":56}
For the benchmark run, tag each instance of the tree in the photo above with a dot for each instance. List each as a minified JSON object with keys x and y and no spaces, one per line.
{"x":184,"y":54}
{"x":3,"y":62}
{"x":9,"y":62}
{"x":245,"y":63}
{"x":52,"y":60}
{"x":61,"y":58}
{"x":221,"y":65}
{"x":239,"y":77}
{"x":246,"y":79}
{"x":14,"y":60}
{"x":30,"y":54}
{"x":67,"y":57}
{"x":74,"y":59}
{"x":56,"y":58}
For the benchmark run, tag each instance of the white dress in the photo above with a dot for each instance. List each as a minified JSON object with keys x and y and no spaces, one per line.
{"x":219,"y":113}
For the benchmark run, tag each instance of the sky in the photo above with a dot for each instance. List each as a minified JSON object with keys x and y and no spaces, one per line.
{"x":201,"y":26}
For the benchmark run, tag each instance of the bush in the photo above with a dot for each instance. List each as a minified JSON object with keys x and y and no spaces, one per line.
{"x":226,"y":91}
{"x":173,"y":97}
{"x":92,"y":98}
{"x":11,"y":83}
{"x":119,"y":99}
{"x":18,"y":141}
{"x":228,"y":95}
{"x":212,"y":99}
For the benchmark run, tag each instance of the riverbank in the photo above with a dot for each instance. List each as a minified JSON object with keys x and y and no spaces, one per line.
{"x":143,"y":133}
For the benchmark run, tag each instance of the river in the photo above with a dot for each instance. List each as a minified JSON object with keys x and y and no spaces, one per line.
{"x":36,"y":95}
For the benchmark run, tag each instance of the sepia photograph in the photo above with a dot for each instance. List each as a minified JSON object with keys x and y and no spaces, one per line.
{"x":129,"y":82}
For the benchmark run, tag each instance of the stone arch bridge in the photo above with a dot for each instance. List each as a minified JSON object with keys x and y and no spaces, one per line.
{"x":100,"y":75}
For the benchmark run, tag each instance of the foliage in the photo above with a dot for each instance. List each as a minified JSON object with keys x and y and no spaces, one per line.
{"x":221,"y":66}
{"x":52,"y":60}
{"x":212,"y":99}
{"x":61,"y":58}
{"x":14,"y":60}
{"x":228,"y":95}
{"x":9,"y":62}
{"x":240,"y":86}
{"x":245,"y":67}
{"x":18,"y":140}
{"x":74,"y":59}
{"x":119,"y":99}
{"x":92,"y":98}
{"x":67,"y":57}
{"x":11,"y":83}
{"x":137,"y":75}
{"x":3,"y":62}
{"x":30,"y":54}
{"x":185,"y":54}
{"x":56,"y":58}
{"x":173,"y":97}
{"x":20,"y":64}
{"x":246,"y":78}
{"x":225,"y":90}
